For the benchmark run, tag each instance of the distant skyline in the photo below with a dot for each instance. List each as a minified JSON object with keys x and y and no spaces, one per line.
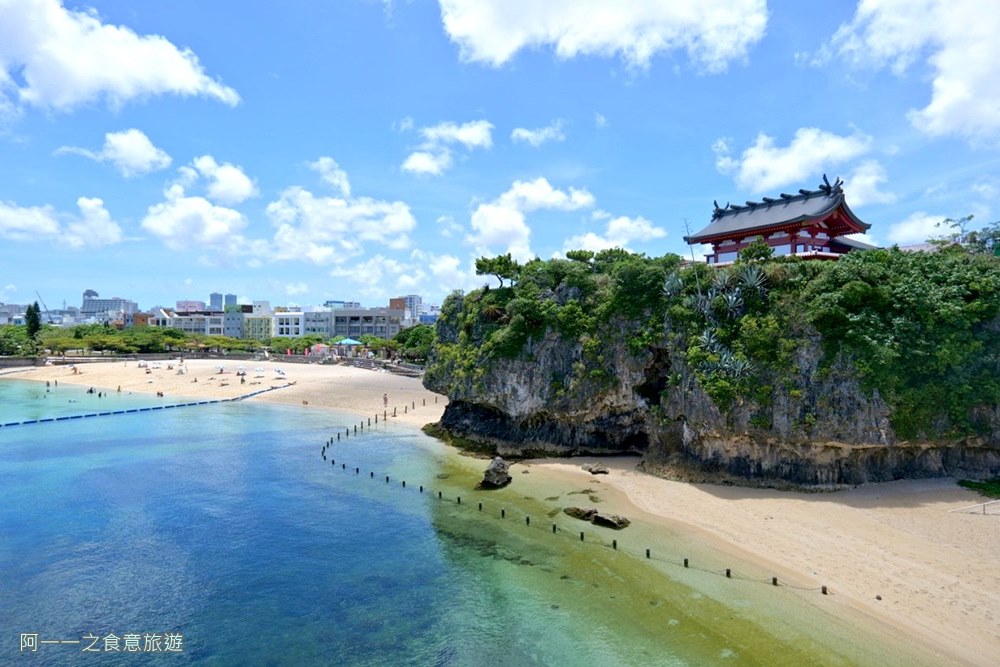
{"x":360,"y":150}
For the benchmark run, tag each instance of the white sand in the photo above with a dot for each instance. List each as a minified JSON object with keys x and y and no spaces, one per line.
{"x":938,"y":573}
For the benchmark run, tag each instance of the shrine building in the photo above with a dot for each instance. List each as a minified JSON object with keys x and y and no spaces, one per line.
{"x":811,"y":224}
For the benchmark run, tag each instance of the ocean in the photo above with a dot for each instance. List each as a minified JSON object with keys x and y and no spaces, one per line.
{"x":224,"y":525}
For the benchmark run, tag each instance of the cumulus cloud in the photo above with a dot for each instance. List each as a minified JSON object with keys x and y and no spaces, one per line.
{"x":600,"y":122}
{"x":434,"y":155}
{"x":864,"y":184}
{"x":332,"y":174}
{"x":130,"y":151}
{"x":765,"y":166}
{"x":916,"y":228}
{"x":537,"y":137}
{"x":426,"y":162}
{"x":53,"y":57}
{"x":224,"y":183}
{"x":713,"y":33}
{"x":334,"y":229}
{"x":501,"y":224}
{"x":618,"y":233}
{"x":955,"y":39}
{"x":92,"y":228}
{"x":193,"y":223}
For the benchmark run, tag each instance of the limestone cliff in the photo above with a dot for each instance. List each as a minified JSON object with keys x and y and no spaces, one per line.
{"x":811,"y":422}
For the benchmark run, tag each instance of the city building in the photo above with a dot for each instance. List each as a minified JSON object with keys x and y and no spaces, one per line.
{"x":94,"y":305}
{"x":215,"y":301}
{"x":341,"y":304}
{"x":204,"y":322}
{"x":811,"y":224}
{"x":355,"y":322}
{"x":288,"y":324}
{"x":189,"y":306}
{"x":229,"y":300}
{"x":411,"y":303}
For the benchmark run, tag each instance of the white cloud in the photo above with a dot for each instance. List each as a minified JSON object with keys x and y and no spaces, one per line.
{"x":66,"y":58}
{"x":917,"y":228}
{"x":600,"y":121}
{"x":957,"y":39}
{"x":863,"y":185}
{"x":295,"y":289}
{"x":474,"y":134}
{"x":765,"y":166}
{"x":712,"y":32}
{"x":539,"y":193}
{"x":537,"y":137}
{"x":93,"y":227}
{"x":332,"y":174}
{"x":502,"y":224}
{"x":988,"y":189}
{"x":227,"y":184}
{"x":619,"y":233}
{"x":434,"y":156}
{"x":7,"y":291}
{"x":448,"y":226}
{"x":332,"y":229}
{"x":424,"y":162}
{"x":193,"y":224}
{"x":130,"y":151}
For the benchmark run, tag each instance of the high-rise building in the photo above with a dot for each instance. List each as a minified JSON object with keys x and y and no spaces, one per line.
{"x":215,"y":301}
{"x":230,"y":300}
{"x":341,"y":304}
{"x":411,"y":303}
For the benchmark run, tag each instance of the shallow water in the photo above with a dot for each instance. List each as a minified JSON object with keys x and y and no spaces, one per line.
{"x":224,"y":523}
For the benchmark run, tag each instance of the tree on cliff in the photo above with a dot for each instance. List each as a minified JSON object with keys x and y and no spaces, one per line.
{"x":501,"y":266}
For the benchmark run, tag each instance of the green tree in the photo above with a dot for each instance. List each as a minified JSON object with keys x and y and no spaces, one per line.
{"x":758,"y":251}
{"x":501,"y":266}
{"x":33,"y":320}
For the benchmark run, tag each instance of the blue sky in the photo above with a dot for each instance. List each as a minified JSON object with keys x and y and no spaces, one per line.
{"x":361,"y":149}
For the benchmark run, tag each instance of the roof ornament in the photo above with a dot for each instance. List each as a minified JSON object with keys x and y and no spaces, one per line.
{"x":834,"y":189}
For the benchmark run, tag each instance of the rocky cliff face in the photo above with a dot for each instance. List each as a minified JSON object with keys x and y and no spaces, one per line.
{"x":822,"y":429}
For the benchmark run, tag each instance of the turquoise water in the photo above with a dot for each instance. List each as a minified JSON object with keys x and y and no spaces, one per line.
{"x":224,"y":523}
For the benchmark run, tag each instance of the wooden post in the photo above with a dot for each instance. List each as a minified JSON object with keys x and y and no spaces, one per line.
{"x":439,"y":494}
{"x":355,"y":428}
{"x":386,"y":479}
{"x":343,"y":466}
{"x":394,"y":412}
{"x":384,"y":413}
{"x":458,"y":499}
{"x":338,"y":437}
{"x":685,"y":562}
{"x":774,"y":581}
{"x":414,"y":405}
{"x":425,"y":401}
{"x":614,"y":544}
{"x":503,"y":513}
{"x":647,"y":553}
{"x":405,"y":409}
{"x":480,"y":507}
{"x":421,"y":488}
{"x":376,"y":417}
{"x":553,"y":529}
{"x":372,"y":474}
{"x":370,"y":420}
{"x":581,"y":536}
{"x":357,"y":471}
{"x":824,"y":590}
{"x":729,"y":573}
{"x":404,"y":483}
{"x":527,"y":521}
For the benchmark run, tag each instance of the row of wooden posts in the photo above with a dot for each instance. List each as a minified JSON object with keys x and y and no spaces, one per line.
{"x":385,"y":417}
{"x":527,"y":519}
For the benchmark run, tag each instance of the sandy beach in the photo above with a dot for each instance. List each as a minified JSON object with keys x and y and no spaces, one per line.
{"x":891,"y":554}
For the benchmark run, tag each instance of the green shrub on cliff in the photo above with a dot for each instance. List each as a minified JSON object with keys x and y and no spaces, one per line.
{"x":922,"y":329}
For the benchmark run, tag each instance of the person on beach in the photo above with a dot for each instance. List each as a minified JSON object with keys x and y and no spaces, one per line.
{"x":385,"y":400}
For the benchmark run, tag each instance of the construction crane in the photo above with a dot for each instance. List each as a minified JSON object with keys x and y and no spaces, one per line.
{"x":42,"y":301}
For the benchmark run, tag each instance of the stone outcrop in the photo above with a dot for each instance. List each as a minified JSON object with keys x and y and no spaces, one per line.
{"x":595,"y":468}
{"x":595,"y":517}
{"x":823,"y":428}
{"x":497,"y":475}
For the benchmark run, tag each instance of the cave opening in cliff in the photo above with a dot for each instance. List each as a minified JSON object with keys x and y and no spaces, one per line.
{"x":656,"y":376}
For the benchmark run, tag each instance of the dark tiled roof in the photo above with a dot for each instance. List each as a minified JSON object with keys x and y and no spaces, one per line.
{"x":807,"y":204}
{"x":852,"y":243}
